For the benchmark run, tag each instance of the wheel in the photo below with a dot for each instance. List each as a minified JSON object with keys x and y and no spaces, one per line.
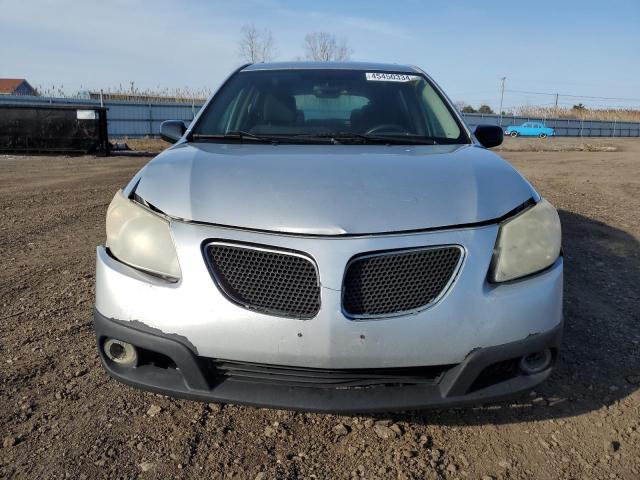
{"x":543,"y":135}
{"x":514,"y":134}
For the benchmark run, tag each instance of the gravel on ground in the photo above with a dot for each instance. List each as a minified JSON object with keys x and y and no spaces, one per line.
{"x":61,"y":416}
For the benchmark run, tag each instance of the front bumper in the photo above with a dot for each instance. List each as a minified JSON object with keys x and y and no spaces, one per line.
{"x":190,"y":376}
{"x":472,"y":314}
{"x":475,"y":325}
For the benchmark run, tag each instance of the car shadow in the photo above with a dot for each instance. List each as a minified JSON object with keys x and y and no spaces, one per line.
{"x":599,"y":361}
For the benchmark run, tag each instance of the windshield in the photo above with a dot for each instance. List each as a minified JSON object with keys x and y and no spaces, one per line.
{"x":340,"y":105}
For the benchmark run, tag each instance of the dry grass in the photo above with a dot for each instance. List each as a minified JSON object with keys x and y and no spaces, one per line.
{"x":604,"y":114}
{"x":154,"y":145}
{"x":130,"y":93}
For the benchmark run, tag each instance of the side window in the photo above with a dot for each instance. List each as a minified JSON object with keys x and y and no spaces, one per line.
{"x":443,"y":122}
{"x":246,"y":113}
{"x":235,"y":113}
{"x":223,"y":123}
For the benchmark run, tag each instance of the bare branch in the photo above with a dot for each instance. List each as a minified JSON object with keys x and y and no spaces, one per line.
{"x":269,"y":50}
{"x":255,"y":46}
{"x":324,"y":47}
{"x":343,"y":52}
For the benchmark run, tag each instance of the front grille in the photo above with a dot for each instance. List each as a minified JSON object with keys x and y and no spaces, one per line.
{"x":275,"y":282}
{"x":396,"y":282}
{"x":324,"y":378}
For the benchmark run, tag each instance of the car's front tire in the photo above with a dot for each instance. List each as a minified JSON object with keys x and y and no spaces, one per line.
{"x":543,"y":135}
{"x":514,"y":134}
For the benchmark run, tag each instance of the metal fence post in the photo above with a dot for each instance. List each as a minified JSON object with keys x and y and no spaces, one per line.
{"x":150,"y":121}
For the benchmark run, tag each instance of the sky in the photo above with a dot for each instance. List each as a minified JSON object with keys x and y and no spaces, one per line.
{"x":582,"y":48}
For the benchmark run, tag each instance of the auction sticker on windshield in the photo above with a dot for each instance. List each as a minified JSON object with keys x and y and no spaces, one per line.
{"x":390,"y":77}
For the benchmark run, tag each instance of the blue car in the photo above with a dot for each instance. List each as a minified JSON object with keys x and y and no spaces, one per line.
{"x":530,"y":129}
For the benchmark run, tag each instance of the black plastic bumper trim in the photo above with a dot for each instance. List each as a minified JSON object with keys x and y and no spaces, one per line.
{"x":191,"y":380}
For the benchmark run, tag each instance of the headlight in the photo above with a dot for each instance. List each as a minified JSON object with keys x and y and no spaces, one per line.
{"x":527,"y":243}
{"x":140,"y":238}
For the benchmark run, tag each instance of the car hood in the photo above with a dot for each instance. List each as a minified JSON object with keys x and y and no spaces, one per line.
{"x":332,"y":189}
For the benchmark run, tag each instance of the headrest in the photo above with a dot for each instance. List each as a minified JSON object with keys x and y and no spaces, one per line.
{"x":279,"y":110}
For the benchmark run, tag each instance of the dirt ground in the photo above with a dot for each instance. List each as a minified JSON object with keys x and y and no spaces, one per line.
{"x":62,"y":417}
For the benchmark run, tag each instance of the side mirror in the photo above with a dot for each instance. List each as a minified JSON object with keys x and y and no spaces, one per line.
{"x":172,"y":130}
{"x":489,"y":135}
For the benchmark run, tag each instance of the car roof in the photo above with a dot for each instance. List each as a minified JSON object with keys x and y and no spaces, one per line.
{"x":364,"y":66}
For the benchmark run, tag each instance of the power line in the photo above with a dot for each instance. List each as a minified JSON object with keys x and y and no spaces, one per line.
{"x":590,"y":97}
{"x":621,"y":107}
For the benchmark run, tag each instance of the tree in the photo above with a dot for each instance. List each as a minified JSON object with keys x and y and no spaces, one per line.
{"x":468,"y":109}
{"x":485,"y":109}
{"x":324,"y":47}
{"x":256,"y":46}
{"x":459,"y":104}
{"x":579,"y":107}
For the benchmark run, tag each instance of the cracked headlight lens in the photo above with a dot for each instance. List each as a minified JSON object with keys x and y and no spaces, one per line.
{"x":527,"y":243}
{"x":141,"y":238}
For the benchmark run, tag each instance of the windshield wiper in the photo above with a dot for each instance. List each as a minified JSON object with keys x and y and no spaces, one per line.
{"x":343,"y":137}
{"x":234,"y":135}
{"x":333,"y":137}
{"x":410,"y":138}
{"x":242,"y":135}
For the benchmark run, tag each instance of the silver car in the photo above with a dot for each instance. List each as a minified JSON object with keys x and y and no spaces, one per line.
{"x":330,"y":237}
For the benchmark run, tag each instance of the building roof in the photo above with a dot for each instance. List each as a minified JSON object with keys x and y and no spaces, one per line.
{"x":9,"y":85}
{"x":375,"y":67}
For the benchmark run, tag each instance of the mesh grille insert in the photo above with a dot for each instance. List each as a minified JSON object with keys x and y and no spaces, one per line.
{"x":274,"y":282}
{"x":395,"y":282}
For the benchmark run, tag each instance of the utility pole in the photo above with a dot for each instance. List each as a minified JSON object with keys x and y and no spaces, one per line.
{"x":501,"y":99}
{"x":556,"y":101}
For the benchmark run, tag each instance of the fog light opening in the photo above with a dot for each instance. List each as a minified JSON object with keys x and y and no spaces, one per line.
{"x":536,"y":362}
{"x":120,"y":352}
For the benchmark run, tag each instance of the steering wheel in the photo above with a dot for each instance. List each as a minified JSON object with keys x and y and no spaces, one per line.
{"x":386,"y":127}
